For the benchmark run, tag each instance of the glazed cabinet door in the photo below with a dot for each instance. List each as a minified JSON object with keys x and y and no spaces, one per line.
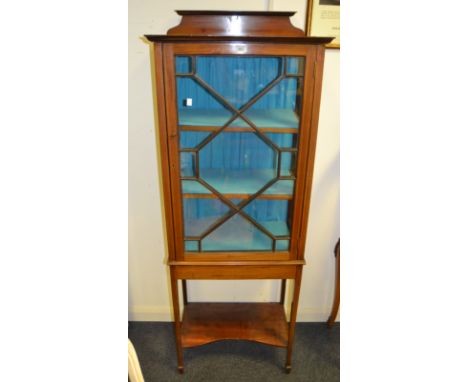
{"x":238,"y":118}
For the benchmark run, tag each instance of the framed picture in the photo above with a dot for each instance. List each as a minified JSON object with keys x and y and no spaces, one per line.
{"x":323,"y":19}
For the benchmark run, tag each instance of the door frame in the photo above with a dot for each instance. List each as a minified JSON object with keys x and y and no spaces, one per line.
{"x":306,"y":142}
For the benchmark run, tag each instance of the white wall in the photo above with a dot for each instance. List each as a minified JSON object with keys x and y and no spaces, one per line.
{"x":149,"y":296}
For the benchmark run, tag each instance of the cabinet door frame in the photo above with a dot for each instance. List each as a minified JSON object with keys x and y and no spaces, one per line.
{"x":306,"y":143}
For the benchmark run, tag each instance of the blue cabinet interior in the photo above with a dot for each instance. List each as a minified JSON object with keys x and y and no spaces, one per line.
{"x":240,"y":162}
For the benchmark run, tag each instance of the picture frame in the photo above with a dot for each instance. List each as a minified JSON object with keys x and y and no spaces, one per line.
{"x":323,"y":19}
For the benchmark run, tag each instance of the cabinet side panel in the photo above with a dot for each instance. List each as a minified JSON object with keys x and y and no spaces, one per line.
{"x":161,"y":124}
{"x":172,"y":145}
{"x":318,"y":73}
{"x":301,"y":198}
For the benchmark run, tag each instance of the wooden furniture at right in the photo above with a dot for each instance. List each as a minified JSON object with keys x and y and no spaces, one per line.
{"x":336,"y":300}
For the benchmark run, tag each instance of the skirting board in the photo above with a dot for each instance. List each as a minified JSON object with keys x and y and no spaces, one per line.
{"x":164,"y":313}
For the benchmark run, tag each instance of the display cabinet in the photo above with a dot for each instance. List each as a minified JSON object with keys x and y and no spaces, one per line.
{"x":238,"y":97}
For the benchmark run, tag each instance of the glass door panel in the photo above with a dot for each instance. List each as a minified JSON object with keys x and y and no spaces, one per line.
{"x":197,"y":106}
{"x":271,"y":214}
{"x":281,"y":188}
{"x":283,"y":140}
{"x":237,"y":234}
{"x":201,"y":213}
{"x":238,"y":79}
{"x":238,"y":163}
{"x":238,"y":121}
{"x":279,"y":107}
{"x":191,"y":139}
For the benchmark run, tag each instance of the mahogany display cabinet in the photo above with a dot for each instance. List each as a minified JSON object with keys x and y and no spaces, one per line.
{"x":238,"y":96}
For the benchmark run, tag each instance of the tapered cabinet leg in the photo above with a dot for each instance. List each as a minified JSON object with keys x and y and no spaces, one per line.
{"x":184,"y":291}
{"x":292,"y":320}
{"x":177,"y":323}
{"x":336,"y":299}
{"x":283,"y":291}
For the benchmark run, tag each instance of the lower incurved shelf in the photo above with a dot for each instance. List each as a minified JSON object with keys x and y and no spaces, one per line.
{"x":209,"y":322}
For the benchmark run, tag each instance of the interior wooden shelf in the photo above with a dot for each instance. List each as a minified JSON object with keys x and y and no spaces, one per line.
{"x":209,"y":322}
{"x":239,"y":182}
{"x":286,"y":130}
{"x":240,"y":196}
{"x":273,"y":119}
